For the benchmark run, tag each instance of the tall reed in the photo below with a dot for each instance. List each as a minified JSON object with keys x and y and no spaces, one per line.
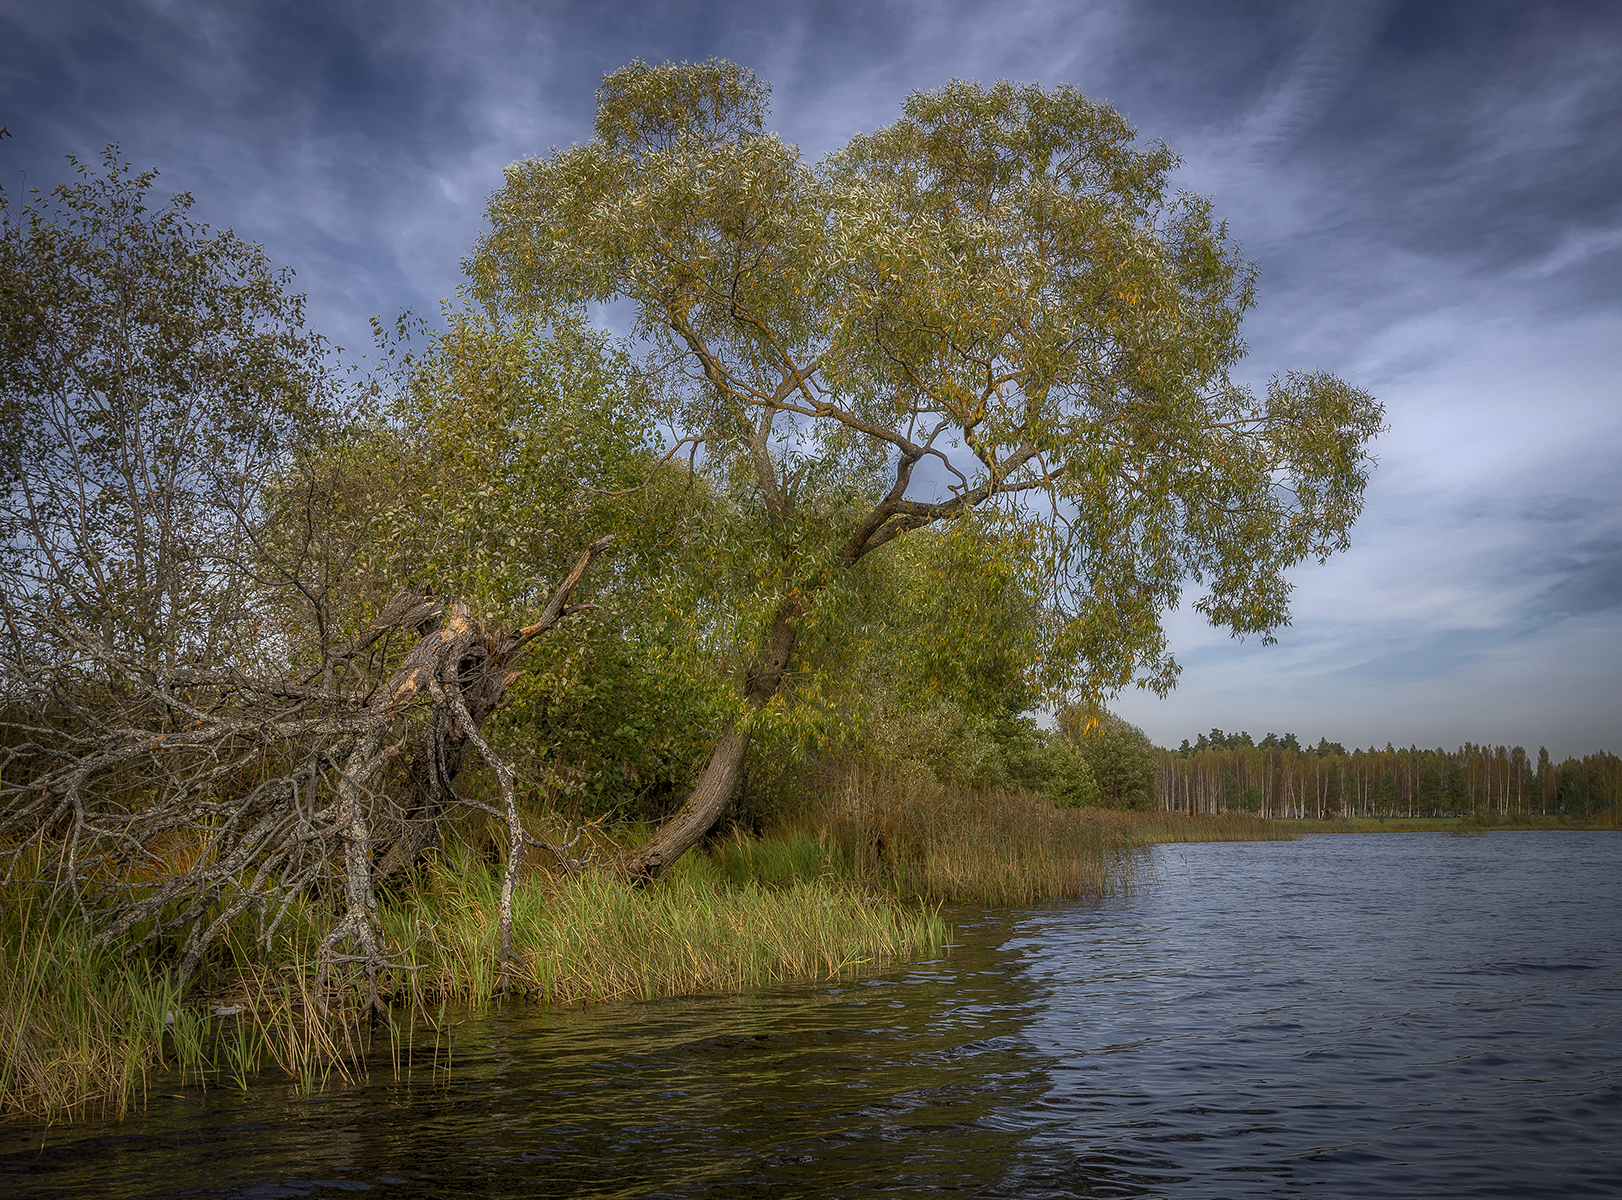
{"x":914,"y":837}
{"x":84,"y":1031}
{"x":81,"y":1028}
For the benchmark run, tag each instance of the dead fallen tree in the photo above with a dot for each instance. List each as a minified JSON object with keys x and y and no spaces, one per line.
{"x":176,"y":800}
{"x":189,"y":737}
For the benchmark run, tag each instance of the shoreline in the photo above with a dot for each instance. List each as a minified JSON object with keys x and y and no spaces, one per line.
{"x":85,"y":1032}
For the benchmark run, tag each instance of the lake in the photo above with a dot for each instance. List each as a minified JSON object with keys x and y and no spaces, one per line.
{"x":1404,"y":1015}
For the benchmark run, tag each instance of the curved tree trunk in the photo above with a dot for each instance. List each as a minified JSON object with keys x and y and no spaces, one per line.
{"x":712,"y":795}
{"x":706,"y":804}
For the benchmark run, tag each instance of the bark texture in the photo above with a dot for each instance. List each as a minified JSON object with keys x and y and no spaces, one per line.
{"x":713,"y":794}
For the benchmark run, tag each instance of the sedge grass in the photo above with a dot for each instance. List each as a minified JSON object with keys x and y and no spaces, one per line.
{"x":912,"y":837}
{"x":81,"y":1028}
{"x":591,"y":937}
{"x":84,"y":1031}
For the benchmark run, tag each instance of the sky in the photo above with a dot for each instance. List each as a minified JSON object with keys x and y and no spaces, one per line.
{"x":1432,"y":191}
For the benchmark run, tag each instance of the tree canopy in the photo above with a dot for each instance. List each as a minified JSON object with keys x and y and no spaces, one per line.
{"x":153,"y":375}
{"x":995,"y":309}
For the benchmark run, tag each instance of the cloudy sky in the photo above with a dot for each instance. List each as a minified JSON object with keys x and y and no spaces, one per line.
{"x":1433,"y":191}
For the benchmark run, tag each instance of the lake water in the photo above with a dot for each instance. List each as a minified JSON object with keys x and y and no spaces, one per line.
{"x":1403,"y":1015}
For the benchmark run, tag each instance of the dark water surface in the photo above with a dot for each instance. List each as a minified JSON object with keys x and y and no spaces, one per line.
{"x":1404,"y":1015}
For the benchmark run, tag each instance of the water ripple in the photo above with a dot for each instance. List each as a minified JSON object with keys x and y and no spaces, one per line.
{"x":1393,"y":1015}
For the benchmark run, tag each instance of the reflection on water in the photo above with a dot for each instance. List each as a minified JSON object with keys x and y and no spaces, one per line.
{"x":1394,"y":1015}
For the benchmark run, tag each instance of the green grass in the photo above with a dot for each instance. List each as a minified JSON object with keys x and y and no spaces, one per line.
{"x":84,"y":1032}
{"x":854,"y":878}
{"x":81,"y":1029}
{"x":711,"y":924}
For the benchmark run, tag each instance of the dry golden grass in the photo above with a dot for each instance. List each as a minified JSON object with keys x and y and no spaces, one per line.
{"x":917,"y":838}
{"x":1156,"y":828}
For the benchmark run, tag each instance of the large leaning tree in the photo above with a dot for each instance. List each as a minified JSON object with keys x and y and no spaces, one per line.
{"x":996,"y":308}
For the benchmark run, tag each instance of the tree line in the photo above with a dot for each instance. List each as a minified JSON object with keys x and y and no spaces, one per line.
{"x":1280,"y":777}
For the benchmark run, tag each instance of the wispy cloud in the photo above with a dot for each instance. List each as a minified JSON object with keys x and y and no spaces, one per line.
{"x":1309,"y":78}
{"x":1430,"y":189}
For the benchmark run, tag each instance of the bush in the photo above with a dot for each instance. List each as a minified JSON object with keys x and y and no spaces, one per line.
{"x":1122,"y":760}
{"x":1070,"y":782}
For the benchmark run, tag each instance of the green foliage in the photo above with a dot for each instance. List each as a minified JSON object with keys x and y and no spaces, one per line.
{"x":1069,"y":775}
{"x":1123,"y":762}
{"x":498,"y":453}
{"x":1386,"y":798}
{"x":1455,"y":792}
{"x":1002,"y":282}
{"x":606,"y":727}
{"x":490,"y":458}
{"x":1428,"y":794}
{"x":950,"y":614}
{"x":925,"y":656}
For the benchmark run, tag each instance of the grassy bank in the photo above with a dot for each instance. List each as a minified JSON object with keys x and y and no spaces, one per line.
{"x":1374,"y":825}
{"x":854,"y":877}
{"x":703,"y":928}
{"x":81,"y":1029}
{"x":1606,"y":820}
{"x":83,"y":1032}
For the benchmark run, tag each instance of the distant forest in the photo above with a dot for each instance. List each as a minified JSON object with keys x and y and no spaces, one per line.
{"x":1279,"y":777}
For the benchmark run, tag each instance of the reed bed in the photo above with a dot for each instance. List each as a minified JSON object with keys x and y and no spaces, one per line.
{"x":81,"y":1029}
{"x":592,"y":937}
{"x":84,"y":1032}
{"x":915,"y":838}
{"x":1157,"y":828}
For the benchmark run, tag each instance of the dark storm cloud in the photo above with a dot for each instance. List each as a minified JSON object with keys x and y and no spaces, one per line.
{"x":356,"y":141}
{"x":1433,"y":191}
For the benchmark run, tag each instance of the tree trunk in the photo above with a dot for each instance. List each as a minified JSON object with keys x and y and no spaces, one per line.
{"x":483,"y":671}
{"x":710,"y":798}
